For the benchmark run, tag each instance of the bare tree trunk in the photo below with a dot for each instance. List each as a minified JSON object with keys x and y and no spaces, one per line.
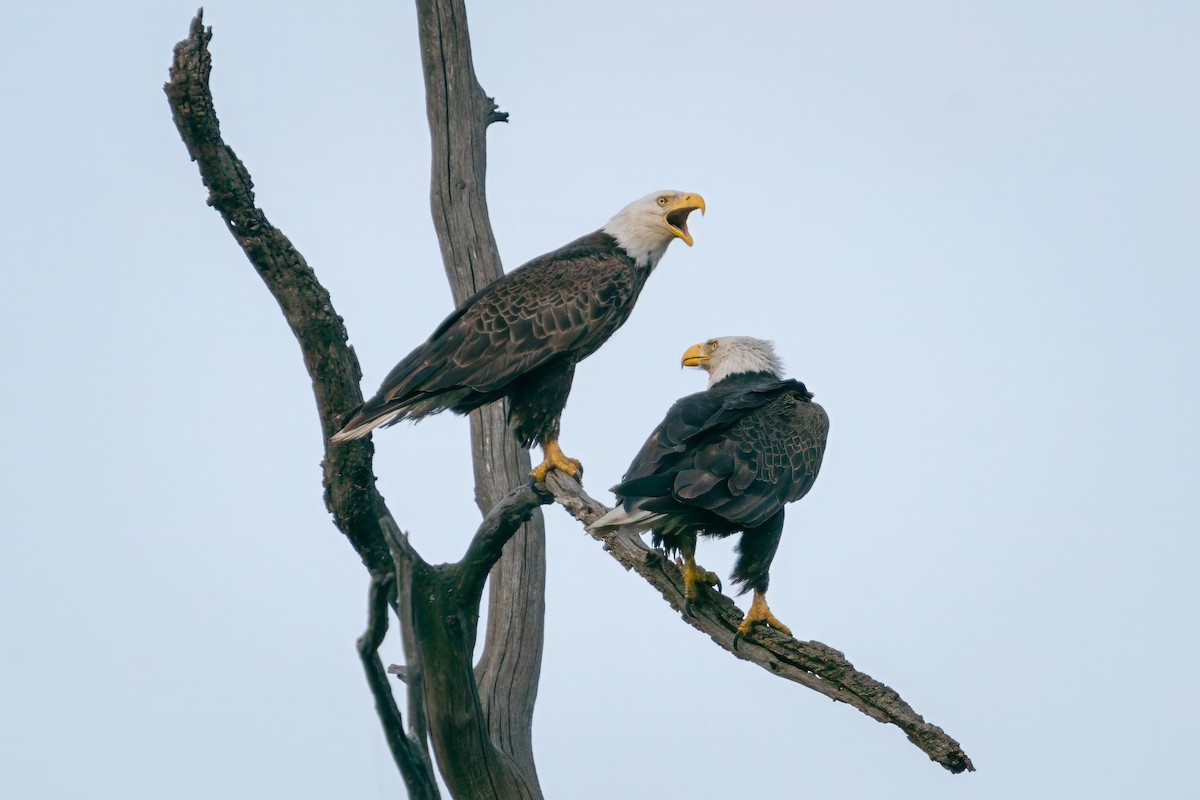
{"x":459,"y":113}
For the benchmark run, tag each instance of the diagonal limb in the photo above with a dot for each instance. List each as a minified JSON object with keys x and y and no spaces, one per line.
{"x":412,"y":762}
{"x":811,"y":664}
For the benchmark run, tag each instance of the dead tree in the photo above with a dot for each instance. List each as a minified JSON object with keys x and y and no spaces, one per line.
{"x":478,"y":718}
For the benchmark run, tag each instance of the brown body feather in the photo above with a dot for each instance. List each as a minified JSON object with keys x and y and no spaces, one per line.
{"x":520,"y":337}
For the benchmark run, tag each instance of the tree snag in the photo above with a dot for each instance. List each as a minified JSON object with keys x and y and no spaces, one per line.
{"x":479,"y":719}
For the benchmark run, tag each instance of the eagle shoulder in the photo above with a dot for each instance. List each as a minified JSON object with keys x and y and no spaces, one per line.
{"x":561,"y":305}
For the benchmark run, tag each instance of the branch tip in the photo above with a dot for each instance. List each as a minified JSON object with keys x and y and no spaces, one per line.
{"x":494,"y":114}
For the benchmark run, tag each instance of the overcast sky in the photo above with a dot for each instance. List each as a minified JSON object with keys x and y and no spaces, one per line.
{"x":970,"y":228}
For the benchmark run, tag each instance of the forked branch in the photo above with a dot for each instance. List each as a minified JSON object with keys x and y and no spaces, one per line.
{"x":409,"y":755}
{"x":459,"y":113}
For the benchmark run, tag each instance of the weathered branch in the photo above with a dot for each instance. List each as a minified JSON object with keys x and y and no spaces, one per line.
{"x":502,"y":763}
{"x":445,"y":618}
{"x":350,"y":492}
{"x":444,"y":623}
{"x":811,"y":664}
{"x":413,"y":674}
{"x":459,"y":112}
{"x":498,"y":527}
{"x":408,"y":755}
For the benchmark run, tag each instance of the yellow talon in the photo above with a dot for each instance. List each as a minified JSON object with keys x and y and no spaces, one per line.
{"x":556,"y":459}
{"x":759,"y":612}
{"x":693,"y":574}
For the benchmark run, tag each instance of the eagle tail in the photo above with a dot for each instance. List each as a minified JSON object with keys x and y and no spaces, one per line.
{"x":376,"y":412}
{"x":364,"y":421}
{"x":635,"y":520}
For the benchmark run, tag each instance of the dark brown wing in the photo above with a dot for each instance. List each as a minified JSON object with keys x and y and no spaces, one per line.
{"x":733,"y":458}
{"x":667,"y":444}
{"x":767,"y":459}
{"x":564,"y":304}
{"x":557,"y":309}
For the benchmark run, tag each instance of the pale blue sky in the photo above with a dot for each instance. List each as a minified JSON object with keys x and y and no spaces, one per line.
{"x":970,"y":228}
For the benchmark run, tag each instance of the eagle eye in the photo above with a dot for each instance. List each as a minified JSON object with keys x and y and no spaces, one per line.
{"x":662,"y":201}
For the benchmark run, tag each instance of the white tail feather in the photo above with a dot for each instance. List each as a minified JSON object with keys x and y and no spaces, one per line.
{"x":636,"y":520}
{"x":360,"y":431}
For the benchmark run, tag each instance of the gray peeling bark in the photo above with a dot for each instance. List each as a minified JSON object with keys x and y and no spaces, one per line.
{"x":459,"y":113}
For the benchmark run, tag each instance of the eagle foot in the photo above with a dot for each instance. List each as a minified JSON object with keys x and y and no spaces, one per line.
{"x":556,"y":459}
{"x":694,"y":575}
{"x":759,"y":612}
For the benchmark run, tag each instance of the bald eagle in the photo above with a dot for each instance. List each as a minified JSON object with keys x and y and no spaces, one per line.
{"x":521,"y":336}
{"x":726,"y":460}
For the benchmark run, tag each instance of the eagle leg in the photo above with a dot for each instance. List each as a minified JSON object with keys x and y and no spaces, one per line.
{"x":556,"y":459}
{"x":693,"y":573}
{"x":759,"y":612}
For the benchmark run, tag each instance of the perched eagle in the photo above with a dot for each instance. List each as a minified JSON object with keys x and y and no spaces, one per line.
{"x":726,"y":460}
{"x":521,"y":336}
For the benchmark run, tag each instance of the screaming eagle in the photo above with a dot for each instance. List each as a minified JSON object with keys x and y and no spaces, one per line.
{"x":726,"y":460}
{"x":521,"y":336}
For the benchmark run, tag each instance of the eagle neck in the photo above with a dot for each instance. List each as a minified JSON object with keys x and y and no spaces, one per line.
{"x":742,"y":379}
{"x":642,"y":241}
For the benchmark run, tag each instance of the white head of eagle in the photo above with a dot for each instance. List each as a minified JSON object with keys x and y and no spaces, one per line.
{"x":733,"y":355}
{"x":646,"y":226}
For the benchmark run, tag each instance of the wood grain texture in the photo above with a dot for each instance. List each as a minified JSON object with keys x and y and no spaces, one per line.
{"x":411,"y":758}
{"x":445,"y":619}
{"x":459,"y":113}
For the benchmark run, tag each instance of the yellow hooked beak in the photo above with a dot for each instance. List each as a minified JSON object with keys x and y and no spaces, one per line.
{"x":696,"y":355}
{"x":677,"y":210}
